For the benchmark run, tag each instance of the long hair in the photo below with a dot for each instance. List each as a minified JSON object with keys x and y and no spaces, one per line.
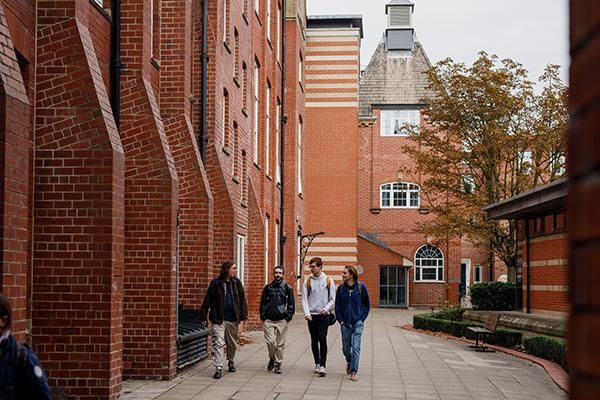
{"x":225,"y":267}
{"x":5,"y":310}
{"x":352,"y":271}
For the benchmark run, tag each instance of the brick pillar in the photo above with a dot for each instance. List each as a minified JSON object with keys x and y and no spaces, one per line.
{"x":195,"y":197}
{"x":255,"y":262}
{"x":78,"y":210}
{"x":583,"y":212}
{"x":151,"y":191}
{"x":15,"y":165}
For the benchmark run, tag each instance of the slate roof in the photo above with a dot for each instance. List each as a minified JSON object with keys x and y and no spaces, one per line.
{"x":394,"y":78}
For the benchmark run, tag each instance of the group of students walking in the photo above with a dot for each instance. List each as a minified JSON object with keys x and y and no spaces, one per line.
{"x":323,"y":305}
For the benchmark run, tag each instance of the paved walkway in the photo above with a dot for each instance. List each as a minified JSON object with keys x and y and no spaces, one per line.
{"x":395,"y":364}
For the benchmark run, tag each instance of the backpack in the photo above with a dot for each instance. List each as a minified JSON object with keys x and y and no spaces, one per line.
{"x":329,"y":284}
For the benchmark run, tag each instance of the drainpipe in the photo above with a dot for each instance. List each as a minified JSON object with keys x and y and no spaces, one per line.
{"x":528,"y":265}
{"x":282,"y":142}
{"x":204,"y":59}
{"x":115,"y":61}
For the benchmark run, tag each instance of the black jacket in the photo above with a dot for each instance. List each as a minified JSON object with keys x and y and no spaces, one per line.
{"x":277,"y":302}
{"x":214,"y":301}
{"x":21,"y":374}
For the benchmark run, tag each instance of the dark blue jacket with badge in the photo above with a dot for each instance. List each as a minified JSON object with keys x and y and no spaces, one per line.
{"x":352,"y":303}
{"x":21,"y":373}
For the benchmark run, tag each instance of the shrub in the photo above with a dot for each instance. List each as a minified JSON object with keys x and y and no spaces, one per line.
{"x":501,"y":337}
{"x":452,"y":313}
{"x":493,"y":296}
{"x":548,"y":348}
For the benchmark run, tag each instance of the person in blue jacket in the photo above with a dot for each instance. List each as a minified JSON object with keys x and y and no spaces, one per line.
{"x":352,"y":306}
{"x":21,"y":374}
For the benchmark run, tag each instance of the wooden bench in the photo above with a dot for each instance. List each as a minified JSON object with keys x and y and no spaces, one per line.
{"x":489,"y":327}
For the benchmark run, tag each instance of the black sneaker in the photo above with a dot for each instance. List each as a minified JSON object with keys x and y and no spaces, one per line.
{"x":217,"y":374}
{"x":348,"y":368}
{"x":271,"y":364}
{"x":277,"y":368}
{"x":231,"y":366}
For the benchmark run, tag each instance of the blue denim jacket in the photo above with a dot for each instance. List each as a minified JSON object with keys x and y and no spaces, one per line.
{"x":353,"y":305}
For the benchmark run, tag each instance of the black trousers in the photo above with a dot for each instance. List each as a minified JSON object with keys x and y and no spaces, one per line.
{"x":318,"y":338}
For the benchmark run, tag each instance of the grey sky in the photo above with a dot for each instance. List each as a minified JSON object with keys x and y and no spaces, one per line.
{"x":532,"y":32}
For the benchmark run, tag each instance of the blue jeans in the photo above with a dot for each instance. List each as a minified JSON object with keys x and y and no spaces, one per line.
{"x":351,"y":335}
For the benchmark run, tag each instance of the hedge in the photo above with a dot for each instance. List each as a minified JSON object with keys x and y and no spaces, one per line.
{"x":450,"y":313}
{"x":501,"y":337}
{"x":493,"y":296}
{"x":548,"y":348}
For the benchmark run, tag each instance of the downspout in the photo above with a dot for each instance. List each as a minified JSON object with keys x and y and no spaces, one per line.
{"x":115,"y":61}
{"x":282,"y":142}
{"x":528,"y":265}
{"x":204,"y":59}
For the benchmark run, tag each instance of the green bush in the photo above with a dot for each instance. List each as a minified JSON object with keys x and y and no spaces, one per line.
{"x":548,"y":348}
{"x":493,"y":296}
{"x":501,"y":337}
{"x":452,"y":313}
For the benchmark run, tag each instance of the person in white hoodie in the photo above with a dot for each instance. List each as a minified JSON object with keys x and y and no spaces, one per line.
{"x":318,"y":300}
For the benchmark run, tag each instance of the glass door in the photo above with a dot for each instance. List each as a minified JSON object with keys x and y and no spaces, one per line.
{"x":392,"y":286}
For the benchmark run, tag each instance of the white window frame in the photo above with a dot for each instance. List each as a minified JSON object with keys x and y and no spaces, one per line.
{"x":267,"y":220}
{"x":276,"y":245}
{"x":394,"y":191}
{"x":392,"y":121}
{"x":268,"y":130}
{"x":256,"y":105}
{"x":429,"y":251}
{"x":268,"y":17}
{"x":257,"y":6}
{"x":480,"y":269}
{"x":278,"y":38}
{"x":277,"y":143}
{"x":300,"y":68}
{"x":223,"y":119}
{"x":299,"y":156}
{"x":240,"y":258}
{"x":225,"y":21}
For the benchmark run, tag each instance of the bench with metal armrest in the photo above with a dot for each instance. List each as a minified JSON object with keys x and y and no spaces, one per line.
{"x":489,"y":327}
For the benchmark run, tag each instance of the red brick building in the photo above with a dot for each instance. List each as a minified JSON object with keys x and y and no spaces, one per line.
{"x":542,"y":246}
{"x":129,"y":176}
{"x":356,"y":193}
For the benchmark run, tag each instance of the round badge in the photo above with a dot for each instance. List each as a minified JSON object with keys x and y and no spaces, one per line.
{"x":38,"y":371}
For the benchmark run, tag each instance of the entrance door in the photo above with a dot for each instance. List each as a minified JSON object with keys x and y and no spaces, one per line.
{"x":392,"y":286}
{"x":465,"y":282}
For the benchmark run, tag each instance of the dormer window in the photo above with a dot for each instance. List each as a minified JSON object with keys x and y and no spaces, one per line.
{"x":394,"y":122}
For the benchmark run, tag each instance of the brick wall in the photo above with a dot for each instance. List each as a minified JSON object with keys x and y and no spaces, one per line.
{"x":79,"y":210}
{"x":584,"y":218}
{"x":151,"y":191}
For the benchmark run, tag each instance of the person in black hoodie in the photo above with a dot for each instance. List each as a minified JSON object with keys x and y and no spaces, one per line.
{"x":277,"y":308}
{"x":227,"y":309}
{"x":21,"y":374}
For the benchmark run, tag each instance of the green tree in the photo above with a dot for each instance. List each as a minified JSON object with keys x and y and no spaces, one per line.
{"x":487,"y":136}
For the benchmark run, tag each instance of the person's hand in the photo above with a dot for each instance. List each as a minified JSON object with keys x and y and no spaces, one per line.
{"x":324,"y":312}
{"x":308,"y":317}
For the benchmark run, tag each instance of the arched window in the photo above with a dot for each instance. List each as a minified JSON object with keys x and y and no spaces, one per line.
{"x":429,"y":264}
{"x":400,"y":195}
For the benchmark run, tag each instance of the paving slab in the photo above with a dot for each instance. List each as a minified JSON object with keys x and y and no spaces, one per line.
{"x":395,"y":364}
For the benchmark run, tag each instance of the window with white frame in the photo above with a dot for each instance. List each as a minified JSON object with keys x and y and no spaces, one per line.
{"x":225,"y":21}
{"x":400,"y":195}
{"x":225,"y":119}
{"x":99,"y":2}
{"x":240,"y":257}
{"x":257,"y":6}
{"x":276,"y":244}
{"x":299,"y":155}
{"x":278,"y":32}
{"x":267,"y":249}
{"x":277,"y":133}
{"x":268,"y":130}
{"x":429,"y":264}
{"x":255,"y":136}
{"x":477,"y":274}
{"x":300,"y":68}
{"x":393,"y":122}
{"x":268,"y":17}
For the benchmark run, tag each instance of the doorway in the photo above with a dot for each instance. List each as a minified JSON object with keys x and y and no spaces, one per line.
{"x":465,"y":282}
{"x":392,"y":286}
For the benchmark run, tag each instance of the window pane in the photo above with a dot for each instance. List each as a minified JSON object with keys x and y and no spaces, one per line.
{"x":393,"y":296}
{"x":440,"y":274}
{"x":401,"y":296}
{"x":392,"y":276}
{"x":385,"y":199}
{"x":414,"y":199}
{"x":401,"y":277}
{"x":383,"y":271}
{"x":429,"y":274}
{"x":383,"y":292}
{"x":418,"y":274}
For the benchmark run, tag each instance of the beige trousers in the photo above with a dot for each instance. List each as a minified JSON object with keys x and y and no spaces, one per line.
{"x":275,"y":334}
{"x":225,"y":335}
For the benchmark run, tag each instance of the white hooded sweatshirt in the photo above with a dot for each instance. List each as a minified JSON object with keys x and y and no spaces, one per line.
{"x":321,"y":297}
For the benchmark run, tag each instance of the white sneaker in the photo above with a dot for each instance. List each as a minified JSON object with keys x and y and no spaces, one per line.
{"x":317,"y":368}
{"x":322,"y":371}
